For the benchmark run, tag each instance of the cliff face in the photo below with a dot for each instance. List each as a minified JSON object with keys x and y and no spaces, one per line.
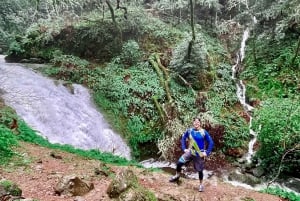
{"x":40,"y":171}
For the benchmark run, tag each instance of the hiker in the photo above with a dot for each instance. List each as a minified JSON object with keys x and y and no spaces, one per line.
{"x":195,"y":151}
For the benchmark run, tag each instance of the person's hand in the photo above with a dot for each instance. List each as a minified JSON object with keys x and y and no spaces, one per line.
{"x":186,"y":150}
{"x":203,"y":154}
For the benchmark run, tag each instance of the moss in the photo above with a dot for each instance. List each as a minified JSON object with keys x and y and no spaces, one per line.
{"x":11,"y":188}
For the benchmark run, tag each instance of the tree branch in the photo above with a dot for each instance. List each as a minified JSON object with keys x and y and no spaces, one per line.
{"x":296,"y":147}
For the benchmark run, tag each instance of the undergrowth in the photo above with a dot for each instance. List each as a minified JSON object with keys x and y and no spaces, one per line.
{"x":290,"y":196}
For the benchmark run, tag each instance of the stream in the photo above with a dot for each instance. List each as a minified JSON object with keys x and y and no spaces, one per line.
{"x":241,"y":93}
{"x":64,"y":115}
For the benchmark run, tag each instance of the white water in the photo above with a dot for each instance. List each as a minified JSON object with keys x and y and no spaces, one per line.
{"x":241,"y":93}
{"x":54,"y":111}
{"x":152,"y":163}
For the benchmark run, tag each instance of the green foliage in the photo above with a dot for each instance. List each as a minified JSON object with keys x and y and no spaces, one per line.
{"x":273,"y":72}
{"x":16,"y":48}
{"x":191,"y":69}
{"x":131,"y":53}
{"x":129,"y":93}
{"x":153,"y":34}
{"x":278,"y":127}
{"x":7,"y":141}
{"x":236,"y":131}
{"x":221,"y":101}
{"x":278,"y":15}
{"x":69,"y":67}
{"x":11,"y":188}
{"x":8,"y":138}
{"x":290,"y":196}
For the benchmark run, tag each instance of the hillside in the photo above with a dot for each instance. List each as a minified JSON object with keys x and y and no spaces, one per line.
{"x":150,"y":67}
{"x":40,"y":169}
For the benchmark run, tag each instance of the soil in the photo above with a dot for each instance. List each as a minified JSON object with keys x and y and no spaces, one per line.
{"x":41,"y":168}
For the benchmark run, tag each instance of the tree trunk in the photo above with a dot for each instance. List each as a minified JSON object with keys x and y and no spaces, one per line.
{"x":296,"y":54}
{"x":111,"y":11}
{"x":191,"y":43}
{"x":192,"y":20}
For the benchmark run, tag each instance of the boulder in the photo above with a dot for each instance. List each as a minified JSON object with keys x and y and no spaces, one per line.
{"x":72,"y":185}
{"x":293,"y":184}
{"x":125,"y":187}
{"x":258,"y":171}
{"x":244,"y":178}
{"x":124,"y":180}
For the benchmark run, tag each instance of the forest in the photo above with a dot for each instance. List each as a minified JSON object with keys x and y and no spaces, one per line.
{"x":152,"y":66}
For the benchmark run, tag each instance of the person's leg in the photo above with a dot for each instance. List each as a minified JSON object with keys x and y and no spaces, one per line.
{"x":178,"y":171}
{"x":201,"y":188}
{"x":199,"y":166}
{"x":185,"y":158}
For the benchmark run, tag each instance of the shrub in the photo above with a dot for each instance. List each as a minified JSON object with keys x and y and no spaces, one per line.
{"x":131,"y":53}
{"x":7,"y":141}
{"x":278,"y":127}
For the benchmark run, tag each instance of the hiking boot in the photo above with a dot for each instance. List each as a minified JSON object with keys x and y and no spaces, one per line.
{"x":174,"y":178}
{"x":201,"y":188}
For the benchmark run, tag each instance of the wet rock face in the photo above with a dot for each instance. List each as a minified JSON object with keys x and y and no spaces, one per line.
{"x":73,"y":185}
{"x":292,"y":183}
{"x":244,"y":178}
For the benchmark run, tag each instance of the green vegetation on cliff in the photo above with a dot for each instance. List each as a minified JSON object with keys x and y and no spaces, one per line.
{"x":155,"y":67}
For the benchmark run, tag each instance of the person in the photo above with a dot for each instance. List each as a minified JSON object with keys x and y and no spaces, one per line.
{"x":195,"y":151}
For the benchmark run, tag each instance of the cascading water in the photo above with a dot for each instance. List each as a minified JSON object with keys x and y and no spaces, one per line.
{"x":241,"y":92}
{"x":61,"y":115}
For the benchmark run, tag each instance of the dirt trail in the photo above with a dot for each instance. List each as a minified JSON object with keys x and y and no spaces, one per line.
{"x":41,"y":172}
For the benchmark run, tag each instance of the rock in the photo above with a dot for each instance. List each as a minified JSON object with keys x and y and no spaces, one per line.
{"x":293,"y":183}
{"x":125,"y":187}
{"x":124,"y":180}
{"x":78,"y":198}
{"x":8,"y":187}
{"x":2,"y":191}
{"x":244,"y":178}
{"x":258,"y":171}
{"x":137,"y":194}
{"x":71,"y":184}
{"x":56,"y":156}
{"x":32,"y":60}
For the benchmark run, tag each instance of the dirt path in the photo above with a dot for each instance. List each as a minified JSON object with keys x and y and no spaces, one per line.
{"x":39,"y":172}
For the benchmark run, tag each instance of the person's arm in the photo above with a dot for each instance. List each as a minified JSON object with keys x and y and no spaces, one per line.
{"x":183,"y":140}
{"x":210,"y":143}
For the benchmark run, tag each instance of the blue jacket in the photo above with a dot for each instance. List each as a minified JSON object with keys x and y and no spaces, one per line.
{"x":200,"y":140}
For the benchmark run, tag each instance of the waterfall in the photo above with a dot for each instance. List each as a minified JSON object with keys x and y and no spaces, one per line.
{"x":241,"y":92}
{"x":62,"y":115}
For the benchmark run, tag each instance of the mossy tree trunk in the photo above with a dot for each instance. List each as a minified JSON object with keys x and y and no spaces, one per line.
{"x":296,"y":54}
{"x":191,"y":43}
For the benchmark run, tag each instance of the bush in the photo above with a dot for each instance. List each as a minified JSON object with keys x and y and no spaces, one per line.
{"x":7,"y":141}
{"x":290,"y":196}
{"x":278,"y":127}
{"x":131,"y":53}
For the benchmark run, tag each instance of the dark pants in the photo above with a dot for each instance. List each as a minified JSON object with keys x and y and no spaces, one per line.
{"x":197,"y":160}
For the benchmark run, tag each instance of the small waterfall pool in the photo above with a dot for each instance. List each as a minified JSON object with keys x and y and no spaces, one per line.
{"x":64,"y":115}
